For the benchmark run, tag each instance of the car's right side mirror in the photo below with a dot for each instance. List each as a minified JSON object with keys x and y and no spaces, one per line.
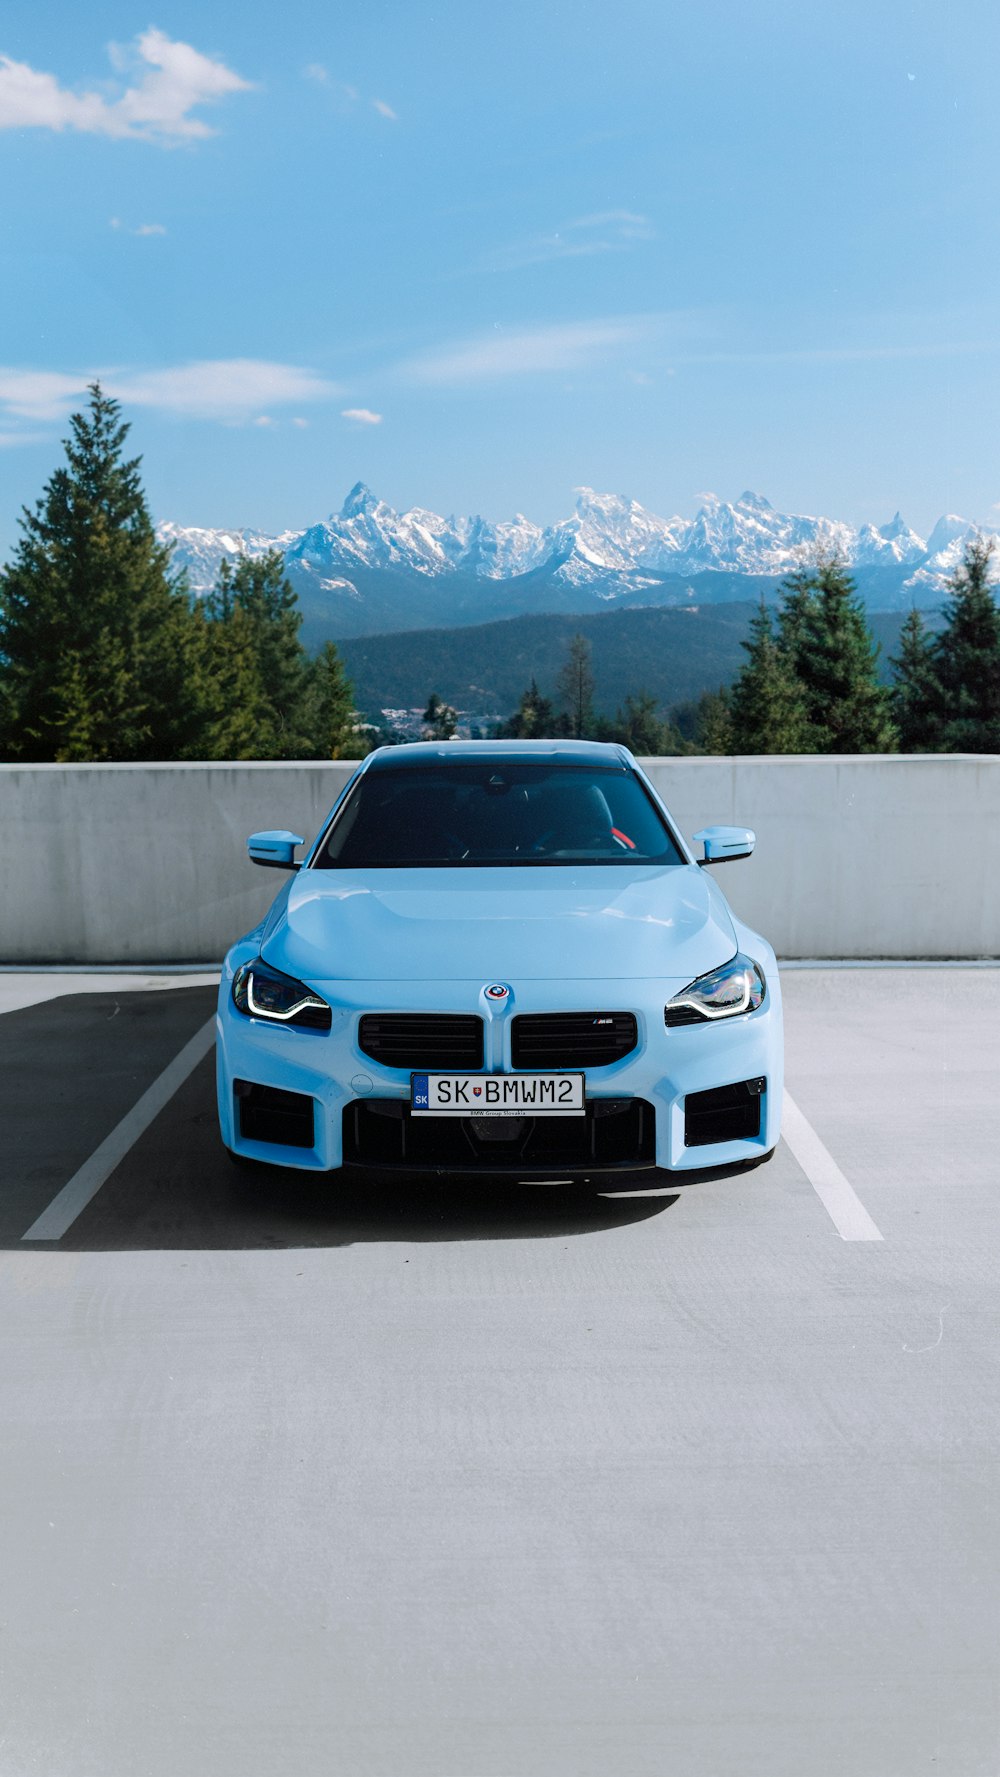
{"x":723,"y":845}
{"x":275,"y":849}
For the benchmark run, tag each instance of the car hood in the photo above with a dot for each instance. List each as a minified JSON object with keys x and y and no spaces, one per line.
{"x":506,"y":924}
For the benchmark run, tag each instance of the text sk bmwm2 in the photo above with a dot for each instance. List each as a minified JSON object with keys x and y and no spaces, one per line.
{"x":500,"y":957}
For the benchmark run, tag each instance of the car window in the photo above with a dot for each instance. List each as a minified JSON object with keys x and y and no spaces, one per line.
{"x":492,"y":812}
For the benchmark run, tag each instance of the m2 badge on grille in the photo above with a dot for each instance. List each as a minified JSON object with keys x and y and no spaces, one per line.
{"x":497,"y":1095}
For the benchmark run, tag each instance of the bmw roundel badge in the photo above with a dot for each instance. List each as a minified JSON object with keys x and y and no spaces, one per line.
{"x":497,"y":991}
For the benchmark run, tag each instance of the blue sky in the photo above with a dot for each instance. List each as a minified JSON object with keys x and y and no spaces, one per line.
{"x":478,"y":256}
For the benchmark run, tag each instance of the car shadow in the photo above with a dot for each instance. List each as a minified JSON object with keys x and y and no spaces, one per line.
{"x":177,"y":1189}
{"x":291,"y":1211}
{"x":73,"y":1067}
{"x":216,"y":1208}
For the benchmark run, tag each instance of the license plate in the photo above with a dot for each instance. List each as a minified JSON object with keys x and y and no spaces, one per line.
{"x":497,"y":1095}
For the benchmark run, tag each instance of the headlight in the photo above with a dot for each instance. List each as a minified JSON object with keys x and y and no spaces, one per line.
{"x":262,"y":992}
{"x":739,"y":986}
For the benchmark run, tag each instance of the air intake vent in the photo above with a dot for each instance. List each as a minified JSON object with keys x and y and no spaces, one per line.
{"x":423,"y":1040}
{"x":269,"y":1113}
{"x":615,"y":1135}
{"x":572,"y":1039}
{"x":727,"y":1113}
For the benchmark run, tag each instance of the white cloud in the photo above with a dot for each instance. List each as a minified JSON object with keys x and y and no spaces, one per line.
{"x":363,"y":416}
{"x":170,"y":80}
{"x":221,"y":388}
{"x":316,"y":71}
{"x":263,"y":419}
{"x":38,"y":394}
{"x":529,"y":350}
{"x":234,"y":389}
{"x":385,"y":110}
{"x":300,"y":422}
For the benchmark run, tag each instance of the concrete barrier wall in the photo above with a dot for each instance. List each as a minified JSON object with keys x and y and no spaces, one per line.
{"x":895,"y":856}
{"x":856,"y":857}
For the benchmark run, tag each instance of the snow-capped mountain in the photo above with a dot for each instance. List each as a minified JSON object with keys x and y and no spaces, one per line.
{"x":611,"y":549}
{"x":199,"y":552}
{"x":890,"y":545}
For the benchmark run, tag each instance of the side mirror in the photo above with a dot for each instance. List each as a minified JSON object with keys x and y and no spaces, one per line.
{"x":277,"y":850}
{"x":724,"y":844}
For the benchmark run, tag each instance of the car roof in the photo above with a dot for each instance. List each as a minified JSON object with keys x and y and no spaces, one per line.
{"x":519,"y":752}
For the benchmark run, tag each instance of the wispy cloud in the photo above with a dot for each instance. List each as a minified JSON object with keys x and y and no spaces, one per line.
{"x":221,"y":388}
{"x":607,"y":231}
{"x":627,"y":224}
{"x":849,"y":354}
{"x":527,"y":350}
{"x":13,"y":440}
{"x":38,"y":394}
{"x":228,"y":389}
{"x":362,"y":416}
{"x":144,"y":228}
{"x":346,"y":95}
{"x":171,"y":79}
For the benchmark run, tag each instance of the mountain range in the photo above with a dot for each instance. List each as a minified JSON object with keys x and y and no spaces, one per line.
{"x":370,"y":569}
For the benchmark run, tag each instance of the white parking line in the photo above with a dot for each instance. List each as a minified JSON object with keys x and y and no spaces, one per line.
{"x":841,"y":1202}
{"x":85,"y":1184}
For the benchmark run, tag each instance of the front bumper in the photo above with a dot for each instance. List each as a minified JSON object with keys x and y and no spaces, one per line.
{"x":667,"y":1067}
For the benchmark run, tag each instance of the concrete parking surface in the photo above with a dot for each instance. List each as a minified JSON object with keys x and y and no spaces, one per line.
{"x":469,"y":1481}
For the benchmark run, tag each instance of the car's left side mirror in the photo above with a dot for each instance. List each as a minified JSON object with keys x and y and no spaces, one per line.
{"x":724,"y":844}
{"x":276,"y":850}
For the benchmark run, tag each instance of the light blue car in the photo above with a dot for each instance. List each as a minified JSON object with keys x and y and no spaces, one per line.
{"x":500,"y":957}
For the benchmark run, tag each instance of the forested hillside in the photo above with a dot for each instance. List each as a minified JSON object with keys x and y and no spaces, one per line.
{"x":674,"y":654}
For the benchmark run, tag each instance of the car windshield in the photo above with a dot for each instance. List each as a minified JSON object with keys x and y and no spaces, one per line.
{"x":494,"y":812}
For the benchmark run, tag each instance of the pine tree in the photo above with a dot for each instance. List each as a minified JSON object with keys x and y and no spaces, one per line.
{"x":240,"y":723}
{"x":766,"y":702}
{"x":823,"y":626}
{"x":966,"y":658}
{"x":797,"y":610}
{"x":99,"y":654}
{"x":254,"y":610}
{"x":638,"y":725}
{"x":916,"y":693}
{"x":254,"y":647}
{"x":440,"y":720}
{"x":533,"y":719}
{"x":576,"y":688}
{"x":331,"y":709}
{"x":713,"y":723}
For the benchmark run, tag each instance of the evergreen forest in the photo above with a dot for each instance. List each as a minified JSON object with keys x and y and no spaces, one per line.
{"x":105,"y":655}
